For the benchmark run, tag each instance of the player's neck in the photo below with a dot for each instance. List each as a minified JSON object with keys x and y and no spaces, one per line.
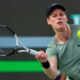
{"x":62,"y":37}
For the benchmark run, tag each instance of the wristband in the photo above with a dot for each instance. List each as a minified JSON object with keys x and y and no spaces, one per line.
{"x":46,"y":64}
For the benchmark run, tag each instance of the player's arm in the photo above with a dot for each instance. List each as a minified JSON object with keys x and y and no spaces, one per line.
{"x":52,"y":71}
{"x":49,"y":66}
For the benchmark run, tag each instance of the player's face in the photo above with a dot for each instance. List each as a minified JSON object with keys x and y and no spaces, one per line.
{"x":57,"y":19}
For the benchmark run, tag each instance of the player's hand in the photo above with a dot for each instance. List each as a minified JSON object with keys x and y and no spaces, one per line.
{"x":41,"y":56}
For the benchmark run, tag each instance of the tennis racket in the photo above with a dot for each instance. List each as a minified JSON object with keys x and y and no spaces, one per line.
{"x":10,"y":43}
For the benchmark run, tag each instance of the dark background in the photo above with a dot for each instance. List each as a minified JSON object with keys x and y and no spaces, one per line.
{"x":28,"y":18}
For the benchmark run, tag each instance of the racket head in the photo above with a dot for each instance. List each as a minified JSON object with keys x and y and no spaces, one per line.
{"x":7,"y":41}
{"x":10,"y":43}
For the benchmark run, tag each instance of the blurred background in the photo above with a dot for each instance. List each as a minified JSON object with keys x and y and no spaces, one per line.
{"x":28,"y":19}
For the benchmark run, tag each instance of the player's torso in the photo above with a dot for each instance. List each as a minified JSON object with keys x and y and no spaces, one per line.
{"x":69,"y":57}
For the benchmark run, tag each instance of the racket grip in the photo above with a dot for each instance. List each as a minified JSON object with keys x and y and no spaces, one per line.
{"x":33,"y":52}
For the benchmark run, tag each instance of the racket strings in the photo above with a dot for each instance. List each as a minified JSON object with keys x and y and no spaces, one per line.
{"x":6,"y":51}
{"x":4,"y":32}
{"x":7,"y":41}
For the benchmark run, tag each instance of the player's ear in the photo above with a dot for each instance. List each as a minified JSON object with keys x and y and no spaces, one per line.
{"x":48,"y":21}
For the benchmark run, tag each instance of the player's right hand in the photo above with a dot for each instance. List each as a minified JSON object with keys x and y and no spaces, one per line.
{"x":41,"y":56}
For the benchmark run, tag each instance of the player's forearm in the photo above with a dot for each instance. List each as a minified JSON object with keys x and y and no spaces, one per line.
{"x":54,"y":74}
{"x":50,"y":71}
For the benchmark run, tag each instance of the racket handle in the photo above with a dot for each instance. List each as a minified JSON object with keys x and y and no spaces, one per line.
{"x":33,"y":52}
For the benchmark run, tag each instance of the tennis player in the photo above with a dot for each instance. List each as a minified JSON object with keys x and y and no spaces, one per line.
{"x":62,"y":57}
